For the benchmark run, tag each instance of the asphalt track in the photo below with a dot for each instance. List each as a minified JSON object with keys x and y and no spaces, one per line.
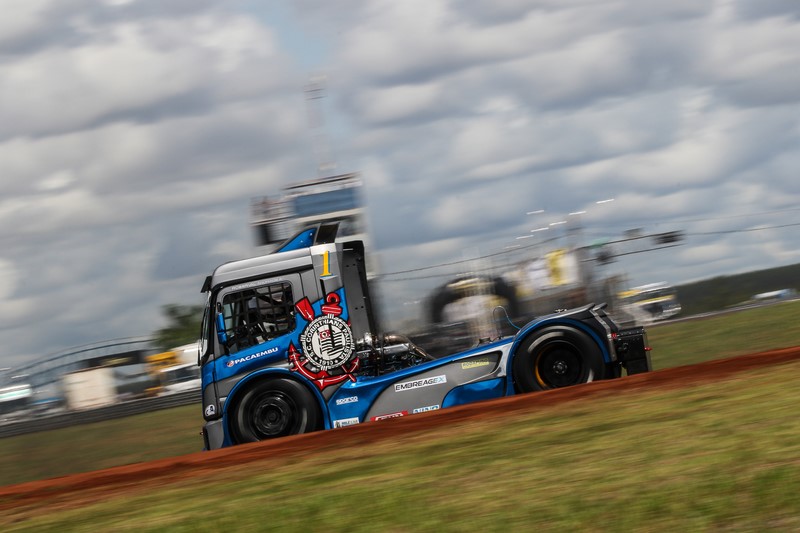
{"x":81,"y":489}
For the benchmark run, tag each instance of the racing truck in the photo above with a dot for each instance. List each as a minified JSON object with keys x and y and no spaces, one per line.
{"x":290,"y":345}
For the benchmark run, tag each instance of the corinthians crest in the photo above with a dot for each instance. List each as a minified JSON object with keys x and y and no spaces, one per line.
{"x":327,"y":344}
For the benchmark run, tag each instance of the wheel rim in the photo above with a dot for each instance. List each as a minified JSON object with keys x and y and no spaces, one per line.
{"x":559,"y":366}
{"x":272,"y":415}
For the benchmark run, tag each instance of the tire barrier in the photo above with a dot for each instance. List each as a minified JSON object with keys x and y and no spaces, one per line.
{"x":471,"y":286}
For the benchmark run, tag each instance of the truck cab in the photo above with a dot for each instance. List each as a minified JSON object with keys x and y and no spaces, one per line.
{"x":257,"y":308}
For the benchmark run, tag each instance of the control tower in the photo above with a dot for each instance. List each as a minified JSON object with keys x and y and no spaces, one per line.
{"x":337,"y":198}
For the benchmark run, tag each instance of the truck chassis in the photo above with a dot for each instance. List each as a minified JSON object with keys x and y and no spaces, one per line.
{"x":289,"y":346}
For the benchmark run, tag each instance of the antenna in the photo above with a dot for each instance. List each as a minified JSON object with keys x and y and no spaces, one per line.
{"x":315,"y":93}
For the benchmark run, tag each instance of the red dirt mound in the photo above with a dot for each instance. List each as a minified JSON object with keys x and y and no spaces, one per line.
{"x":69,"y":490}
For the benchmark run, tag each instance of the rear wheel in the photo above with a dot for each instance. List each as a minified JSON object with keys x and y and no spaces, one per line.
{"x":274,"y":408}
{"x":555,"y":357}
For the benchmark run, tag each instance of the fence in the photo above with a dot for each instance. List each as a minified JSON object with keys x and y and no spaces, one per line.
{"x":38,"y":422}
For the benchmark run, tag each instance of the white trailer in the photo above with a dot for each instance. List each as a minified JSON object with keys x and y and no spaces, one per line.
{"x":90,"y":388}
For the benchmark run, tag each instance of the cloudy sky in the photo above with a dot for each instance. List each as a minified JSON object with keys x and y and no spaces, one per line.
{"x":134,"y":133}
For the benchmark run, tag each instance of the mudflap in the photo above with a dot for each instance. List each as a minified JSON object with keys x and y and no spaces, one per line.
{"x":213,"y":435}
{"x":633,"y":351}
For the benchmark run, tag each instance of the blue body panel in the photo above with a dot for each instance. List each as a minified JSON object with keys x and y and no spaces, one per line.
{"x":368,"y":388}
{"x":269,"y":353}
{"x":304,"y":239}
{"x":474,"y":392}
{"x":352,"y":400}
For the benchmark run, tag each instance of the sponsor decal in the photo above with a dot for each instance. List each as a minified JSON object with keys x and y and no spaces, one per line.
{"x":210,"y":410}
{"x":416,"y":384}
{"x":326,"y":344}
{"x":345,"y":422}
{"x":425,"y":409}
{"x":398,"y":414}
{"x":349,"y":399}
{"x":234,"y":362}
{"x":475,"y":363}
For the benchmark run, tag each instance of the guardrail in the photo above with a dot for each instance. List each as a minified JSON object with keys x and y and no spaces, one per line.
{"x":39,"y":422}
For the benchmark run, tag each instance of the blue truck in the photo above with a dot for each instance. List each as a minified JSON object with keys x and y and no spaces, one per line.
{"x":290,"y":345}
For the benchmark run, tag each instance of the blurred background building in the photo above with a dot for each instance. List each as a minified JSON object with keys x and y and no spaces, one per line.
{"x":337,"y":198}
{"x":98,"y":374}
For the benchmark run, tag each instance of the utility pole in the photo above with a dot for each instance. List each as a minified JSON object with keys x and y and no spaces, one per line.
{"x":315,"y":94}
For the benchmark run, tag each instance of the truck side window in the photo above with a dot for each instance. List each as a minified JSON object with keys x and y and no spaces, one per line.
{"x":254,"y":316}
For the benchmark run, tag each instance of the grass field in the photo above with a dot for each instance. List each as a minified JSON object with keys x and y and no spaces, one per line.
{"x":88,"y":447}
{"x":720,"y":456}
{"x":717,"y":456}
{"x":736,"y":333}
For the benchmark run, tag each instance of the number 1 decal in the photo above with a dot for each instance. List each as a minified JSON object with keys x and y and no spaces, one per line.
{"x":326,"y":264}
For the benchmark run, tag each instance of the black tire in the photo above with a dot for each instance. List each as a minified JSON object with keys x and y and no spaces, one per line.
{"x":555,"y":357}
{"x":274,"y":408}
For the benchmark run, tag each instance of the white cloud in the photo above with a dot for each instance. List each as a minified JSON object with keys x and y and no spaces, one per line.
{"x":755,"y":63}
{"x":20,"y":17}
{"x":57,"y":180}
{"x":399,"y":103}
{"x":8,"y":279}
{"x":128,"y":68}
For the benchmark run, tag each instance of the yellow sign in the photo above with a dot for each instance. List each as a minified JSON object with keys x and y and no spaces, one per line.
{"x":555,"y":265}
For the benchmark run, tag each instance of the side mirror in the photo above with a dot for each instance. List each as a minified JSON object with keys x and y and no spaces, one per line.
{"x":221,"y":335}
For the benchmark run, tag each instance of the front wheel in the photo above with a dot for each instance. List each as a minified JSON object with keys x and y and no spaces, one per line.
{"x":274,"y":408}
{"x":555,"y":357}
